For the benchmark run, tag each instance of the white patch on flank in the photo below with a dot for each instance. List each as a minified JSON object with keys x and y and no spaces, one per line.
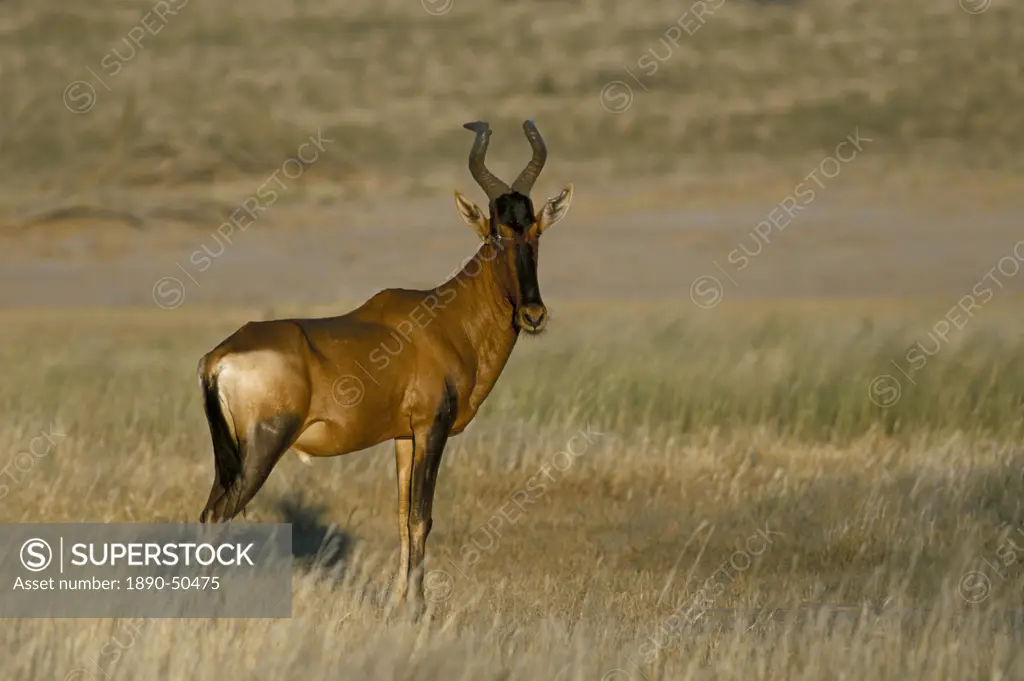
{"x":246,"y":379}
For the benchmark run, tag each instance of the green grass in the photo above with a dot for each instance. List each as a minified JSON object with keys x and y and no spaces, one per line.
{"x":800,"y":374}
{"x":801,"y":371}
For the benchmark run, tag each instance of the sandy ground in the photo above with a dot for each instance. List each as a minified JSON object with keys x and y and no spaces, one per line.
{"x":844,"y":243}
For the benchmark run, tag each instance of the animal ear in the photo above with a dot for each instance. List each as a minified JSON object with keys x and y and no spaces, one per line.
{"x":555,"y":209}
{"x":473,"y":216}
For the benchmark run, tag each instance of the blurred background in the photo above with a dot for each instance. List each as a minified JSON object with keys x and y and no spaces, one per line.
{"x":785,"y":298}
{"x":130,"y":131}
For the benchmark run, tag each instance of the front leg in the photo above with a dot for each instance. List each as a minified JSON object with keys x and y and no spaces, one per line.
{"x":405,"y":449}
{"x":430,"y":444}
{"x":417,"y":460}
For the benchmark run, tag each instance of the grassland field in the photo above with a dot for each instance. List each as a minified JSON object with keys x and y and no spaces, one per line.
{"x":701,"y":434}
{"x":835,"y":426}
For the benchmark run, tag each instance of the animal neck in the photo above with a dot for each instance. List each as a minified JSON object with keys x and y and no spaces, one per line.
{"x":479,"y":299}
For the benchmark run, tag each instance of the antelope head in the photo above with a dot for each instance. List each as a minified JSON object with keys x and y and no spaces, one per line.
{"x":512,"y":226}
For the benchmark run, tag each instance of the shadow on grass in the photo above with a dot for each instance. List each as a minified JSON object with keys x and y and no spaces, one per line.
{"x":315,"y":543}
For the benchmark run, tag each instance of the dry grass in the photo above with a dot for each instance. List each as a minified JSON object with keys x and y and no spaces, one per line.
{"x":712,"y":427}
{"x":217,"y":93}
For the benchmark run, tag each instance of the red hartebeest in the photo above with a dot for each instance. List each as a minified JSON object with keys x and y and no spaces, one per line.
{"x":409,"y":366}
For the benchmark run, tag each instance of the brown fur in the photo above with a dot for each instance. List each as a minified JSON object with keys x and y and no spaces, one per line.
{"x":410,"y":366}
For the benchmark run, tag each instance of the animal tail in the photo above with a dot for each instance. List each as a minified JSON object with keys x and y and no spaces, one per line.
{"x":226,"y":452}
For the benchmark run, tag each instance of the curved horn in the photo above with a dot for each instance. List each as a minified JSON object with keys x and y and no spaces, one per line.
{"x":491,"y":185}
{"x":524,"y":183}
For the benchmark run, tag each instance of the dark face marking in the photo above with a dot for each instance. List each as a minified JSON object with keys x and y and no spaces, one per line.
{"x":511,"y":221}
{"x":513,"y":210}
{"x":526,"y":273}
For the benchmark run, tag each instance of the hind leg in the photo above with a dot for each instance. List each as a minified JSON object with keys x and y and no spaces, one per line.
{"x":261,"y":451}
{"x":216,"y":492}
